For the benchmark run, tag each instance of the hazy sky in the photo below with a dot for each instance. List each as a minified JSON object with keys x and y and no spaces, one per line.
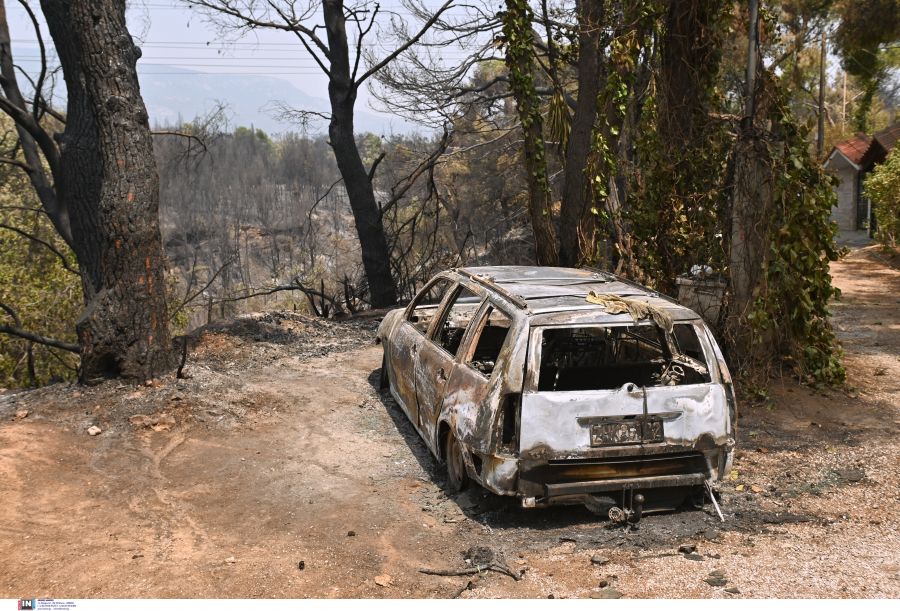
{"x":176,"y":36}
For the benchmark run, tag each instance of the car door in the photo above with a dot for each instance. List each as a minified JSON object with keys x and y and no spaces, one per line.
{"x":436,"y":355}
{"x":408,"y":339}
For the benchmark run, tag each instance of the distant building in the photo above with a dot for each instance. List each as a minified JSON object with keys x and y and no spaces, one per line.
{"x":851,"y":160}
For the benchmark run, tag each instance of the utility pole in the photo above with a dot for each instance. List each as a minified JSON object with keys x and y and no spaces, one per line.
{"x":821,"y":140}
{"x":752,"y":42}
{"x":844,"y":105}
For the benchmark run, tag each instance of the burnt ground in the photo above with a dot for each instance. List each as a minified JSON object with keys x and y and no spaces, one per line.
{"x":280,"y":446}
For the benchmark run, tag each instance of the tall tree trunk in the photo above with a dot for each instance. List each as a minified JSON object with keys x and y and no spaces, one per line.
{"x":517,"y":26}
{"x":342,"y":92}
{"x":577,"y":187}
{"x":124,"y":329}
{"x":80,"y":171}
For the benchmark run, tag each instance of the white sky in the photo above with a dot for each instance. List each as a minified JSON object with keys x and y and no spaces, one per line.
{"x":178,"y":37}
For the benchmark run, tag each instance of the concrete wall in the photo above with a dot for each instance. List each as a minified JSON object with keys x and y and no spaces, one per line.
{"x":845,"y":211}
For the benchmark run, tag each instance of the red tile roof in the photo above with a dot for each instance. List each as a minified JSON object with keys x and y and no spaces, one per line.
{"x":887,"y":137}
{"x":856,"y":147}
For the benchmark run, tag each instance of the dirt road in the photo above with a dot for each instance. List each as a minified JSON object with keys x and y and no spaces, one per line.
{"x":281,"y":450}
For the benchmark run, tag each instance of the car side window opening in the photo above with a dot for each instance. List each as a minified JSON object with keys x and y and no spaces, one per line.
{"x":489,"y":341}
{"x":426,"y":304}
{"x":456,"y":319}
{"x":608,"y":357}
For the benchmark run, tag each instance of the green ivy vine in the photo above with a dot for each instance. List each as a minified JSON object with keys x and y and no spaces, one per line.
{"x":517,"y":36}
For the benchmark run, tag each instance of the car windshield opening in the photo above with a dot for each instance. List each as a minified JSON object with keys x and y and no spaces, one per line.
{"x":608,"y":357}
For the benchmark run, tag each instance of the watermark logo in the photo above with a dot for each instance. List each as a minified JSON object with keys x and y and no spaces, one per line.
{"x":26,"y":604}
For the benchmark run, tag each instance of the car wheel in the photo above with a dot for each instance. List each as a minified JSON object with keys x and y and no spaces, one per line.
{"x":384,"y":384}
{"x":456,"y":466}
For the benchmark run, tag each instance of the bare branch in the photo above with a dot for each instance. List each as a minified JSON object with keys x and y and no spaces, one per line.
{"x":375,"y":165}
{"x":224,"y":7}
{"x":283,"y":113}
{"x":182,"y":135}
{"x":187,"y":300}
{"x":404,"y":46}
{"x":12,"y":313}
{"x":15,"y":162}
{"x":40,"y":339}
{"x":53,"y":249}
{"x":40,"y":82}
{"x":400,"y":189}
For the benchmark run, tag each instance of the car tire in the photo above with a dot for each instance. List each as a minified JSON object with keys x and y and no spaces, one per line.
{"x":384,"y":383}
{"x":456,"y":466}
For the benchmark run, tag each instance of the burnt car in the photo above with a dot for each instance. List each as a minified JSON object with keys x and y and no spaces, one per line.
{"x":519,"y":382}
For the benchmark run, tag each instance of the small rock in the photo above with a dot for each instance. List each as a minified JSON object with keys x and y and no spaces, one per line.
{"x":599,"y":560}
{"x":716,"y":582}
{"x":762,"y":450}
{"x":75,"y":395}
{"x":687,"y":548}
{"x":695,"y":557}
{"x":136,"y":556}
{"x":94,"y":430}
{"x":604,"y":583}
{"x":351,"y":533}
{"x":550,"y":596}
{"x":230,"y":560}
{"x":755,"y":489}
{"x":607,"y":594}
{"x":717,"y":573}
{"x":711,"y":535}
{"x":851,"y":475}
{"x":732,"y":590}
{"x":21,"y":414}
{"x":301,"y":565}
{"x":148,"y":383}
{"x":383,"y":580}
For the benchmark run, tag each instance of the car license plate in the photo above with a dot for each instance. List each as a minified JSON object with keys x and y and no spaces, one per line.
{"x":624,"y":432}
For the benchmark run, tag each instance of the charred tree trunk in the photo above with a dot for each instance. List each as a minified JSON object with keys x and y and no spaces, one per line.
{"x":78,"y":178}
{"x":577,"y":190}
{"x":124,"y":329}
{"x":342,"y":90}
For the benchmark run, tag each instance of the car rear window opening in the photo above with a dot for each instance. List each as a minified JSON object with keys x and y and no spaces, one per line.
{"x":608,"y":357}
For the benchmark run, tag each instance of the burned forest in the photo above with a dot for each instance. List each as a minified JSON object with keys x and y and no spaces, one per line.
{"x":430,"y":299}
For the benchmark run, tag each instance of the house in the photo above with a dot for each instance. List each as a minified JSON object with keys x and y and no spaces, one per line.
{"x":851,"y":160}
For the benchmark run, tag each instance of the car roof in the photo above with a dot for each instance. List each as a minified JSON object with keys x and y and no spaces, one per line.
{"x":556,"y":295}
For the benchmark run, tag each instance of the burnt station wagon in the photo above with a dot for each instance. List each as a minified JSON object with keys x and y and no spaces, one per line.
{"x":520,"y":383}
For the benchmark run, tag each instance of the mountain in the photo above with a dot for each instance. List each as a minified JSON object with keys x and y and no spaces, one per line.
{"x":189,"y":94}
{"x":170,"y":92}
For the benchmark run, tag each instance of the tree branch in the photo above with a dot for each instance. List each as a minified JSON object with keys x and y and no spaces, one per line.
{"x":375,"y":165}
{"x":40,"y":82}
{"x":40,"y":339}
{"x":427,"y":163}
{"x":65,"y":263}
{"x":183,"y":135}
{"x":200,"y":292}
{"x":15,"y":162}
{"x":391,"y":57}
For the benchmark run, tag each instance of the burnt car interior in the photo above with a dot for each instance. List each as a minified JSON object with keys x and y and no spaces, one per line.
{"x":456,"y":319}
{"x":608,"y":357}
{"x":490,"y":341}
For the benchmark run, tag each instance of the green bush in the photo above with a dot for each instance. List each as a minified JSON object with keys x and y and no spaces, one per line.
{"x":883,"y":187}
